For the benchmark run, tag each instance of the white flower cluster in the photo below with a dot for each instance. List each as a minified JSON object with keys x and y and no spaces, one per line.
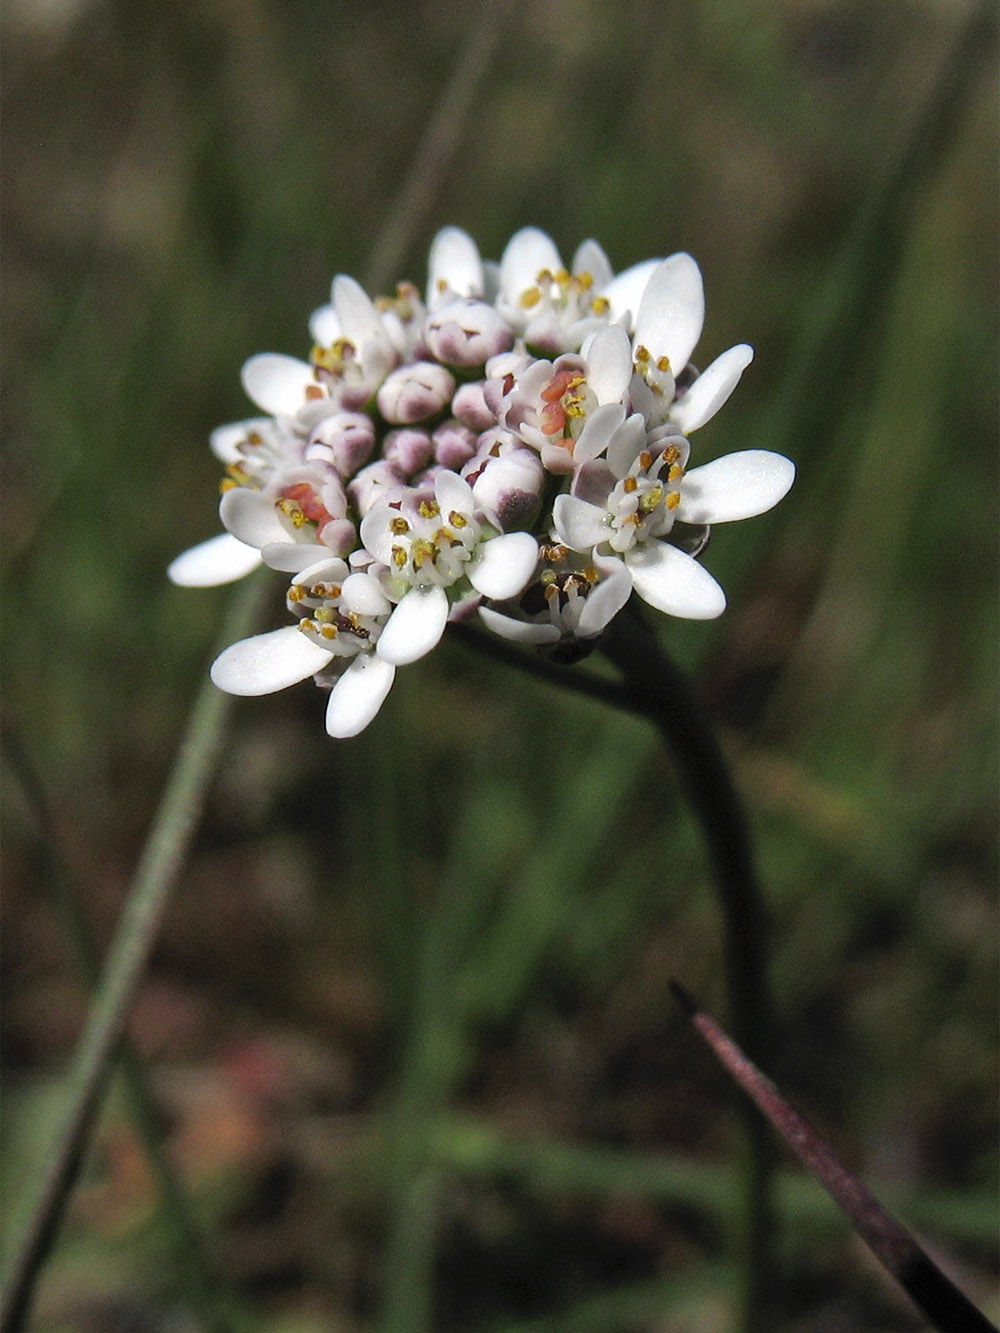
{"x":514,"y":444}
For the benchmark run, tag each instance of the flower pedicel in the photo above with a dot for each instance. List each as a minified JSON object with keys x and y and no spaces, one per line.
{"x":514,"y":445}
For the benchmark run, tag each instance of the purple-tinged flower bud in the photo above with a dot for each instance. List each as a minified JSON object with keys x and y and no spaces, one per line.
{"x":467,"y":333}
{"x":508,"y":488}
{"x":340,"y":535}
{"x":471,"y":408}
{"x":415,"y":392}
{"x":409,"y":449}
{"x":454,"y":444}
{"x":381,"y":481}
{"x":345,"y":440}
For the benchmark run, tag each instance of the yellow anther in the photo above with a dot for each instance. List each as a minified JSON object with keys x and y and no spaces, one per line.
{"x":254,"y":438}
{"x":227,"y":484}
{"x":428,"y":509}
{"x":645,"y":460}
{"x":399,"y":556}
{"x":444,"y":535}
{"x":314,"y":392}
{"x":296,"y":593}
{"x":663,"y":363}
{"x":671,"y":453}
{"x":586,"y":281}
{"x":548,"y":576}
{"x":629,"y":484}
{"x":591,"y":575}
{"x":530,"y":296}
{"x":651,"y":499}
{"x":442,"y":284}
{"x":673,"y":499}
{"x":601,"y":305}
{"x":399,"y":526}
{"x":422,"y":553}
{"x":307,"y":626}
{"x":562,"y":277}
{"x":675,"y":473}
{"x":641,"y":354}
{"x":457,"y":520}
{"x":329,"y":631}
{"x":323,"y":615}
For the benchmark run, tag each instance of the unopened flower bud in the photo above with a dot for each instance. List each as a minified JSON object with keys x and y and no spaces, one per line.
{"x":345,"y":439}
{"x":408,"y":448}
{"x":454,"y":444}
{"x":508,"y":487}
{"x":467,"y":333}
{"x":379,"y":481}
{"x":415,"y":392}
{"x":471,"y":408}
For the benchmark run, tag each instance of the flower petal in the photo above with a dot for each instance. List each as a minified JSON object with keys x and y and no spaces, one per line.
{"x":672,"y":311}
{"x":628,"y":443}
{"x":277,"y":383}
{"x":735,"y":486}
{"x":711,"y":389}
{"x":415,"y":627}
{"x":598,"y":430}
{"x":221,"y":559}
{"x":579,"y":524}
{"x":358,"y":695}
{"x":606,"y":600}
{"x":268,"y":662}
{"x":361,"y":593}
{"x":527,"y":252}
{"x":290,"y":557}
{"x":519,"y":631}
{"x":324,"y":326}
{"x":590,"y":258}
{"x":251,"y":517}
{"x":503,"y":565}
{"x":609,"y":363}
{"x":224,"y":441}
{"x":624,"y":293}
{"x":453,"y":493}
{"x":454,"y":266}
{"x":356,"y":312}
{"x":673,"y":582}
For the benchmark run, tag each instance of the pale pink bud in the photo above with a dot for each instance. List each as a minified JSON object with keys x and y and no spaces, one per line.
{"x":454,"y":444}
{"x":379,"y":481}
{"x":415,"y":392}
{"x":471,"y":408}
{"x":467,"y":333}
{"x":508,"y":487}
{"x":345,"y":439}
{"x":408,"y":449}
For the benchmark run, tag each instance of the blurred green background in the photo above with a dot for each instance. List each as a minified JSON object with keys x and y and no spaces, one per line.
{"x":408,"y":1021}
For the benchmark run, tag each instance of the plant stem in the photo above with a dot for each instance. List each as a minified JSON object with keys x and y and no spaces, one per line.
{"x":656,"y":688}
{"x":947,"y":1308}
{"x":159,"y":866}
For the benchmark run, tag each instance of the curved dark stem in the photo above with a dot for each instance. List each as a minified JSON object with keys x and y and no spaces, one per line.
{"x":656,"y":688}
{"x":653,"y":688}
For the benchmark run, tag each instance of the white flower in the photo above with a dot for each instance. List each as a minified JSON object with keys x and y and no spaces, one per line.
{"x":431,"y":543}
{"x":342,"y":618}
{"x":644,"y":492}
{"x":552,"y":308}
{"x":254,"y":452}
{"x":566,"y":607}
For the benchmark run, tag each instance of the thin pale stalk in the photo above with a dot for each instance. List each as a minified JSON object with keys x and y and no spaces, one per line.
{"x":439,"y":142}
{"x":156,"y":874}
{"x":189,"y":1247}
